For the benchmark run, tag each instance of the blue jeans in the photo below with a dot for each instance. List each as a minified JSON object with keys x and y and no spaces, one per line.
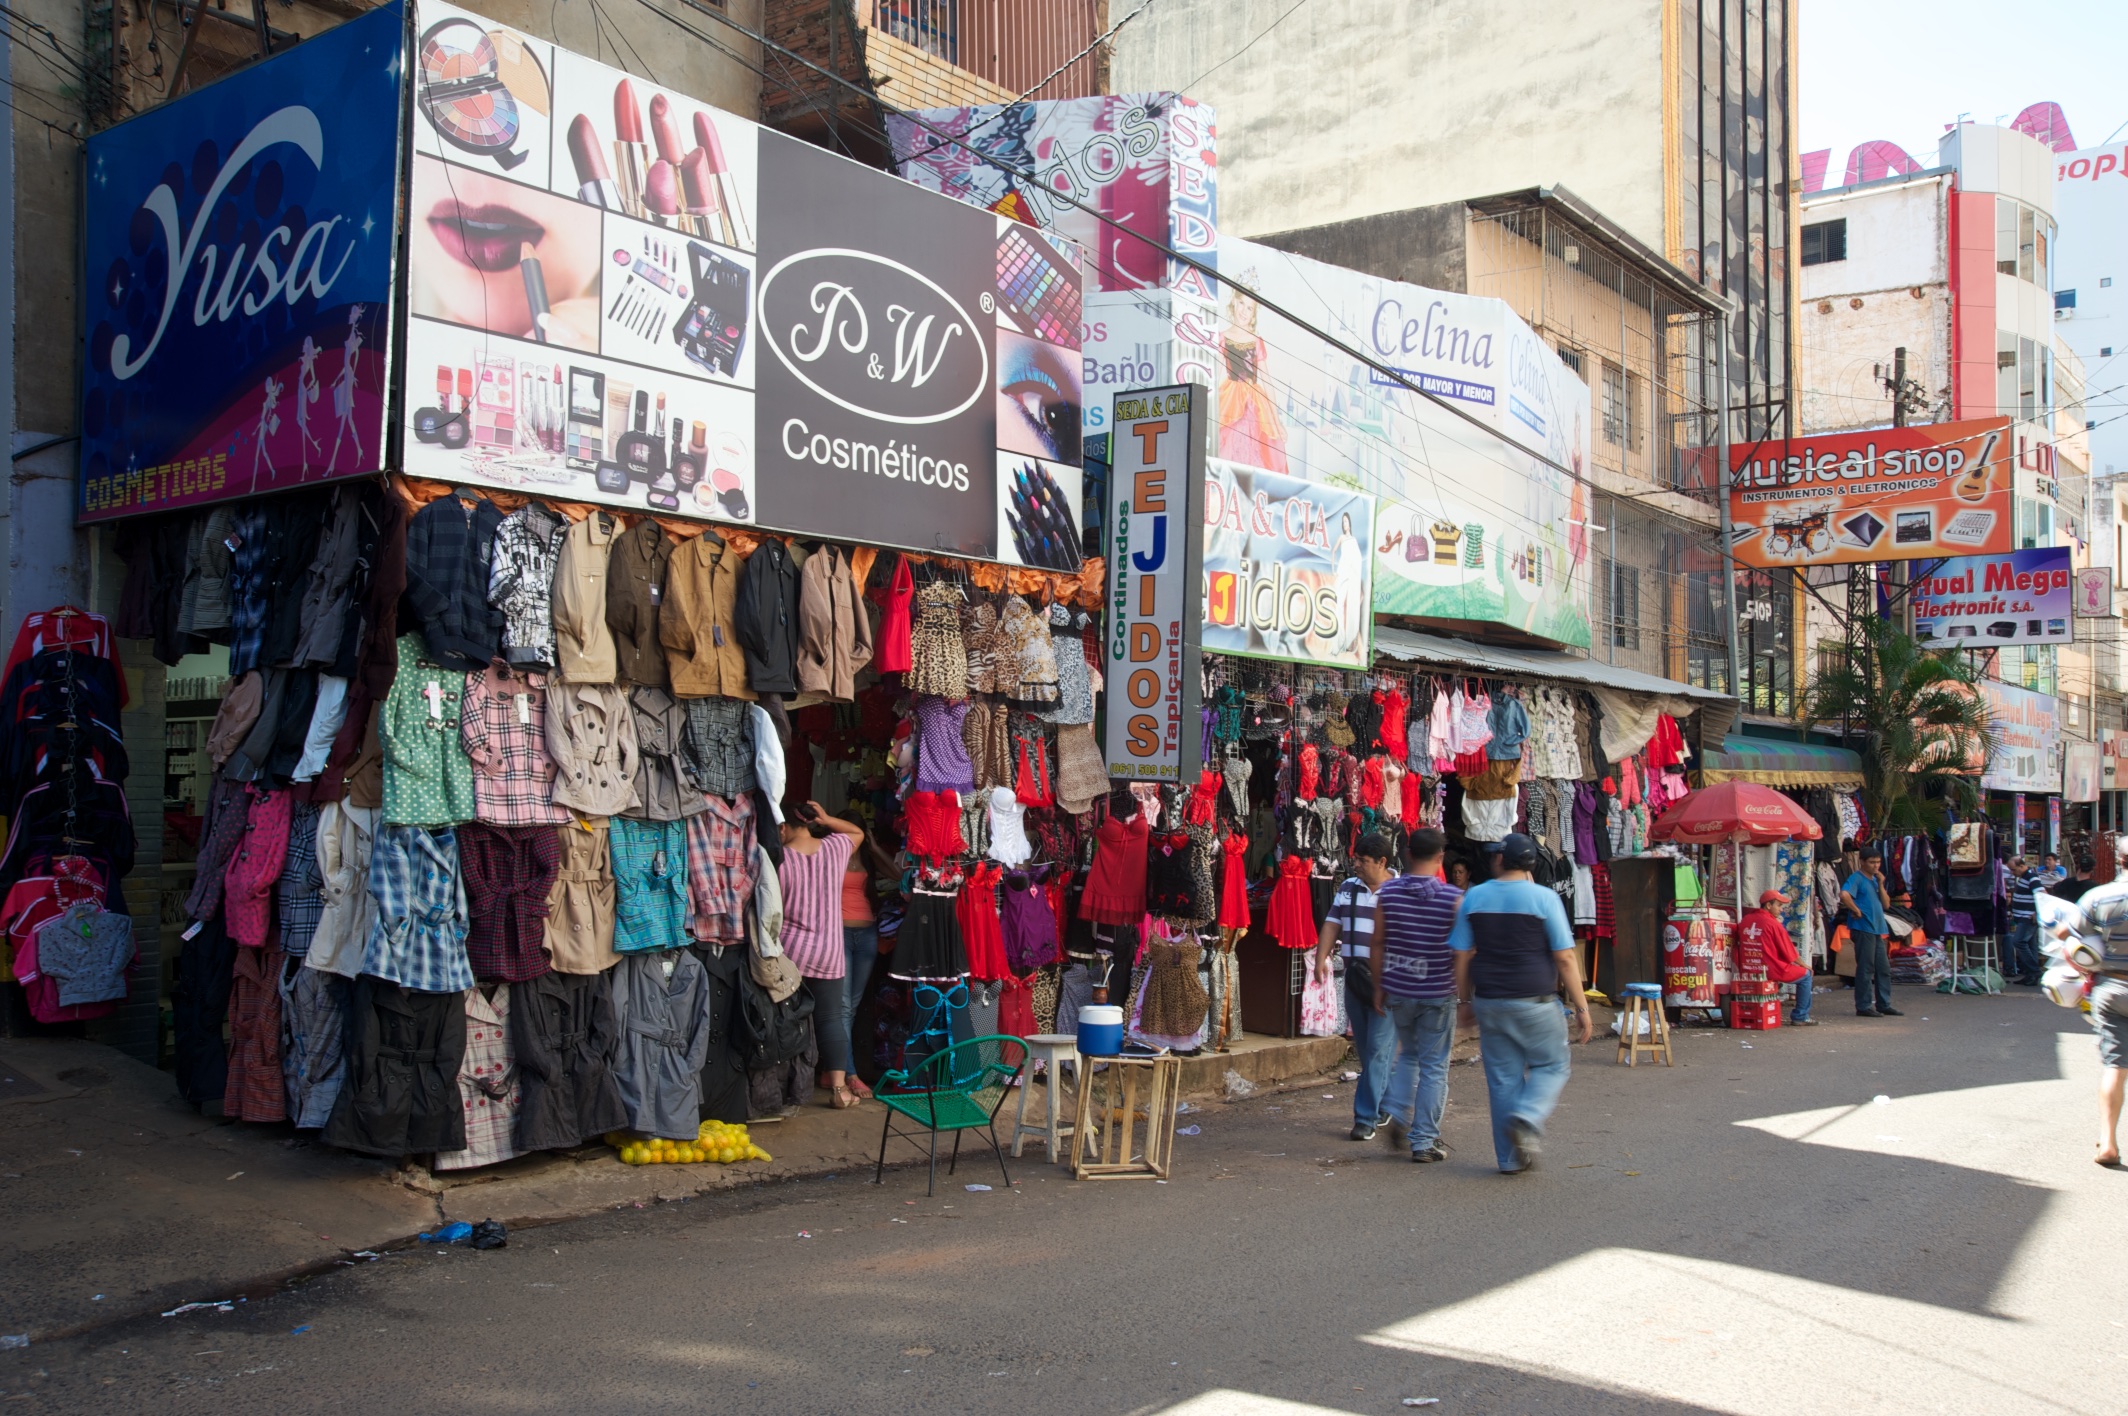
{"x":1522,"y":1042}
{"x":1873,"y":971}
{"x":1373,"y":1041}
{"x":1418,"y":1087}
{"x":860,"y":950}
{"x":1802,"y":997}
{"x":2024,"y":959}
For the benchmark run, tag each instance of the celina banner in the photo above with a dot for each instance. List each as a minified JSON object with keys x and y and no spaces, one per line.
{"x":1287,"y":568}
{"x":1942,"y":489}
{"x":1153,"y":731}
{"x":624,"y":296}
{"x":238,"y":244}
{"x":2020,"y":597}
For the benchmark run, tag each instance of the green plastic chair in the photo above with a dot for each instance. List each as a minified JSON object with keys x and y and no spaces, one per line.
{"x":960,"y":1088}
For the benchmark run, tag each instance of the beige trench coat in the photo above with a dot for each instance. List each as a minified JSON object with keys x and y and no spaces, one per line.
{"x":579,"y":931}
{"x":701,"y":588}
{"x":582,"y":642}
{"x":591,"y":737}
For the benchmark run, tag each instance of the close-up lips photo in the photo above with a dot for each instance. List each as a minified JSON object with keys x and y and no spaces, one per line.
{"x":1038,"y":399}
{"x":489,"y":237}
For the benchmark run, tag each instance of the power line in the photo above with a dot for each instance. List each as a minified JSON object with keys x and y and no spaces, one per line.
{"x":1209,"y":272}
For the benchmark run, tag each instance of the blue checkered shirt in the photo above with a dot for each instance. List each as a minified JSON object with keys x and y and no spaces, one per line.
{"x":418,"y":940}
{"x":247,"y":592}
{"x":300,"y":892}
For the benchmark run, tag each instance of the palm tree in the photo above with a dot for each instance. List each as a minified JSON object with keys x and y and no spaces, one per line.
{"x":1926,"y":720}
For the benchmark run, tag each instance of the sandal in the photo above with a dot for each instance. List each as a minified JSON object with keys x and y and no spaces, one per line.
{"x":841,"y":1098}
{"x":858,"y":1089}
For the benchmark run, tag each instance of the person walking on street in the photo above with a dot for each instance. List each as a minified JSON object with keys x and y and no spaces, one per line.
{"x":2023,"y":961}
{"x":2051,"y":873}
{"x":1515,"y":961}
{"x":1349,"y":929}
{"x":1762,"y":929}
{"x":1862,"y":895}
{"x":1415,"y":992}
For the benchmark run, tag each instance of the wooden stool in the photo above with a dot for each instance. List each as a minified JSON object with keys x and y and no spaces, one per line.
{"x":1054,"y":1050}
{"x":1643,"y":1001}
{"x":1108,"y":1117}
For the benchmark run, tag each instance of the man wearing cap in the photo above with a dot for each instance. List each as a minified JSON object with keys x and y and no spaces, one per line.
{"x":1761,"y":929}
{"x":1862,"y":895}
{"x":1515,"y":960}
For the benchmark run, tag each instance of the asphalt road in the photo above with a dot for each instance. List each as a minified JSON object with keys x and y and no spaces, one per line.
{"x":1895,"y":1216}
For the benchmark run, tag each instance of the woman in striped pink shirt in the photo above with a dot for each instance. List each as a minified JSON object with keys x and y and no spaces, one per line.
{"x":816,"y":848}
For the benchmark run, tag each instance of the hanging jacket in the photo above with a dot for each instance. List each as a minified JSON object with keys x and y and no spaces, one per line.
{"x":378,"y":653}
{"x":329,"y":594}
{"x":562,"y":1033}
{"x":591,"y":737}
{"x":635,"y":587}
{"x":664,"y":789}
{"x":834,"y":631}
{"x":660,"y":1005}
{"x":695,"y":622}
{"x":521,"y":584}
{"x":450,"y":552}
{"x":766,"y":616}
{"x":583,"y":644}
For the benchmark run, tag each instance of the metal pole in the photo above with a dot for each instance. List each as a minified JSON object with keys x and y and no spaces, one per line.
{"x":1721,"y":378}
{"x":1899,"y":387}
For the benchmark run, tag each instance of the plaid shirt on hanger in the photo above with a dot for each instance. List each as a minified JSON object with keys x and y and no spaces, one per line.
{"x":247,"y":592}
{"x":720,"y":868}
{"x":502,"y":725}
{"x":418,"y":939}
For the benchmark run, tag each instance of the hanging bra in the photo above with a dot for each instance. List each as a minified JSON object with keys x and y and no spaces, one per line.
{"x":932,"y":824}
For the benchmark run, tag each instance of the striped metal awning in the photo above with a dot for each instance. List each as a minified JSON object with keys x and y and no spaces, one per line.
{"x":1772,"y":763}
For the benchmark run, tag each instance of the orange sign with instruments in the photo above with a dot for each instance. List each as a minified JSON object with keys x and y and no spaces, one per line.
{"x":1890,"y":494}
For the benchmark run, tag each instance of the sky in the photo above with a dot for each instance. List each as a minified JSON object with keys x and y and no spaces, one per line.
{"x":1902,"y":69}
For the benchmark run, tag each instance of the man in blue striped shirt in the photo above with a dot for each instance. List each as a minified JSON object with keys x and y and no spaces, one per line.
{"x":1349,"y":929}
{"x":1415,"y":989}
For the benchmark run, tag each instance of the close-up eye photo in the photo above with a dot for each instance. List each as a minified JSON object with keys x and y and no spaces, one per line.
{"x":1038,"y":398}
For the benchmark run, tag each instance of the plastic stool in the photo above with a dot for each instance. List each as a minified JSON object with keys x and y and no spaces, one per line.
{"x":1054,"y":1050}
{"x":1643,"y":1001}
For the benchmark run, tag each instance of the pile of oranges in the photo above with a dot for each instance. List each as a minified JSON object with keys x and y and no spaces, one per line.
{"x":716,"y":1142}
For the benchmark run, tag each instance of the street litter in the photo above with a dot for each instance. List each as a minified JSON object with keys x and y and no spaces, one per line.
{"x":489,"y":1234}
{"x":1189,"y":1131}
{"x":1880,"y":1099}
{"x":1183,"y":1108}
{"x":1348,"y":1076}
{"x":805,"y":1234}
{"x":456,"y":1232}
{"x":220,"y":1305}
{"x":12,"y":1340}
{"x":298,"y":1332}
{"x":1422,"y":1401}
{"x":1238,"y":1086}
{"x":977,"y":1189}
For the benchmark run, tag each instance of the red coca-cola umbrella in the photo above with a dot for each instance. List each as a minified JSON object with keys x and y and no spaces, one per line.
{"x":1740,"y":812}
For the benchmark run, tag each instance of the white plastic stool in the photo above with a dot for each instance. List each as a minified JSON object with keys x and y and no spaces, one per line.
{"x":1054,"y":1049}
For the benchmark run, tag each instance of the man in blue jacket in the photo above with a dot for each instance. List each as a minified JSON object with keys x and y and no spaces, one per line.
{"x":1515,"y":961}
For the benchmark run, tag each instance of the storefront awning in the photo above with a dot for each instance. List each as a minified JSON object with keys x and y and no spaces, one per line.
{"x":1771,"y":763}
{"x":1413,"y":647}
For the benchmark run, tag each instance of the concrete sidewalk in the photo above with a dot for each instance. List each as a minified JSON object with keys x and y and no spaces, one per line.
{"x":121,"y":1200}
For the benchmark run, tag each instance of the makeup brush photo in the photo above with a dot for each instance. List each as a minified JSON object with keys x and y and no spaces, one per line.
{"x":535,"y":290}
{"x":731,"y":229}
{"x":594,"y":184}
{"x":630,"y":156}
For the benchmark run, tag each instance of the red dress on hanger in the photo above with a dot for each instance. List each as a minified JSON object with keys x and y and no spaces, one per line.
{"x":893,"y":654}
{"x":1115,"y":886}
{"x":981,"y":933}
{"x":1391,"y":737}
{"x":1292,"y":921}
{"x":1234,"y":883}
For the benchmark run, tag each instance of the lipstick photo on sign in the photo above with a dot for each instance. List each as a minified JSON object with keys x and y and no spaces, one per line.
{"x":699,"y":186}
{"x":731,"y":220}
{"x":594,"y":184}
{"x":535,"y":291}
{"x":661,"y":194}
{"x":630,"y":156}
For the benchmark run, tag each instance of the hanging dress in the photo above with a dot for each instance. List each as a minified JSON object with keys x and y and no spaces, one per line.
{"x":977,"y":912}
{"x":1292,"y":921}
{"x":1030,"y":925}
{"x":1234,"y":883}
{"x":939,"y":656}
{"x":1115,"y":886}
{"x":893,"y":656}
{"x":1169,"y":889}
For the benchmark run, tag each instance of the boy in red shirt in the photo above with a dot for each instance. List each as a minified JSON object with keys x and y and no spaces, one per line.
{"x":1761,"y":927}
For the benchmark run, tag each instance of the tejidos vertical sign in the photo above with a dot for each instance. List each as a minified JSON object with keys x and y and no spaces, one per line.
{"x":1156,"y":584}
